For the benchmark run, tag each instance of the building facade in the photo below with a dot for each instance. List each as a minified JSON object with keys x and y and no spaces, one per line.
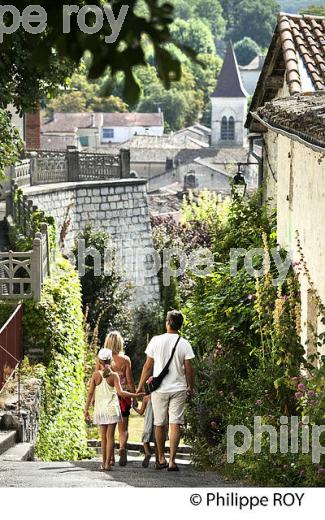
{"x":229,"y":106}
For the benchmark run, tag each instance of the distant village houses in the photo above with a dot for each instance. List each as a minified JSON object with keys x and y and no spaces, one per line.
{"x":95,"y":130}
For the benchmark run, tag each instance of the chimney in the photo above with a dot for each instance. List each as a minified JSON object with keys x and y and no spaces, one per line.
{"x":33,"y":130}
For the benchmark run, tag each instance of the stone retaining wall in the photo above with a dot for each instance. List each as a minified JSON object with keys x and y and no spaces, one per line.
{"x":119,"y":207}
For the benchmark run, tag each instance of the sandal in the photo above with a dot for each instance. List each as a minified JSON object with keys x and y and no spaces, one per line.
{"x":146,"y":460}
{"x":123,"y":457}
{"x":173,"y":468}
{"x":164,"y":465}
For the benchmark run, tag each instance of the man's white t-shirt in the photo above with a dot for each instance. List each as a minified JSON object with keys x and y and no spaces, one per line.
{"x":160,"y":349}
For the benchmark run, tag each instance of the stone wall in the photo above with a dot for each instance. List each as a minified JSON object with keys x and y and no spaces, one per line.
{"x":118,"y":207}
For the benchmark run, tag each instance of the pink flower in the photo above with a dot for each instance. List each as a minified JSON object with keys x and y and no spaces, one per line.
{"x":298,"y":395}
{"x":311,"y":393}
{"x":301,"y":387}
{"x":251,"y":297}
{"x":321,"y":471}
{"x":258,"y":402}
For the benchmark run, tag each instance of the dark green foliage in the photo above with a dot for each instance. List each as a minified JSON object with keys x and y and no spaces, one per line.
{"x":32,"y":66}
{"x":55,"y":326}
{"x":105,"y":296}
{"x":145,"y":322}
{"x":6,"y":310}
{"x":246,"y":50}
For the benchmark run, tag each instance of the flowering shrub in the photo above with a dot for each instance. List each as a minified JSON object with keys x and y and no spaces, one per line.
{"x":246,"y":334}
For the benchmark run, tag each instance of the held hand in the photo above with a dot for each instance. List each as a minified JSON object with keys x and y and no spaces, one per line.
{"x":189,"y":392}
{"x":87,"y":416}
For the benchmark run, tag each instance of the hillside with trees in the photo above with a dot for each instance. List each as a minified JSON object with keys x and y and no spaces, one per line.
{"x":205,"y":26}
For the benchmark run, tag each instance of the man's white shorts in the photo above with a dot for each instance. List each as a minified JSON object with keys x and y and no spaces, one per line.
{"x":168,"y":408}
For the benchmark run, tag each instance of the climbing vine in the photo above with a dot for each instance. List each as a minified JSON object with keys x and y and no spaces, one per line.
{"x":55,"y":326}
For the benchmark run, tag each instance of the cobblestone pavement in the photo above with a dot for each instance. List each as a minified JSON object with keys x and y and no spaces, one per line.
{"x":87,"y":474}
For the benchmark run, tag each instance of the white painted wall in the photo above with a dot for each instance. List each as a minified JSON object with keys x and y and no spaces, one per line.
{"x":123,"y":133}
{"x":299,"y":195}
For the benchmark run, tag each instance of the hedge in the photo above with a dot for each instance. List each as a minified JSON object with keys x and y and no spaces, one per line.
{"x":55,"y":324}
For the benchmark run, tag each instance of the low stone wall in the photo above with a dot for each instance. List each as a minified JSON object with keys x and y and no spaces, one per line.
{"x":119,"y":207}
{"x":27,"y":420}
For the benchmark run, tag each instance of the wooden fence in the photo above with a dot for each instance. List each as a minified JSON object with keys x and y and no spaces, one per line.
{"x":11,"y":345}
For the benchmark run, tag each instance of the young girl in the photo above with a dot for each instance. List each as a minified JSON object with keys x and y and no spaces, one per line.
{"x":148,"y":430}
{"x":105,"y":386}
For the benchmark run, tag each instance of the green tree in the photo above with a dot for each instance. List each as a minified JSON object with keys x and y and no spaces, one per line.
{"x":184,"y":9}
{"x":110,"y":104}
{"x":316,"y":10}
{"x":195,"y":34}
{"x":74,"y":101}
{"x":246,"y":50}
{"x":105,"y":296}
{"x":256,"y":19}
{"x":172,"y":103}
{"x":32,"y":66}
{"x":11,"y":145}
{"x":210,"y":11}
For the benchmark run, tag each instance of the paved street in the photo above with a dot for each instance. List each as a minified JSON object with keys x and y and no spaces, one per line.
{"x":87,"y":474}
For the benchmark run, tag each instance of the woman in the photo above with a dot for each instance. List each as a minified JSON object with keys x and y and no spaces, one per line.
{"x":122,"y":365}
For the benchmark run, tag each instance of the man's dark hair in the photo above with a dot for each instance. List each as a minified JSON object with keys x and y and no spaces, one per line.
{"x":175,"y":319}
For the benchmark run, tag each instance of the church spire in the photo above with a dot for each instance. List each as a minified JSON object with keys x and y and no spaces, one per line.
{"x":229,"y":83}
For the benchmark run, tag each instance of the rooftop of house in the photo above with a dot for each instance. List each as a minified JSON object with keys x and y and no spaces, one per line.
{"x":229,"y":83}
{"x":303,"y":115}
{"x":296,"y":56}
{"x":70,"y":122}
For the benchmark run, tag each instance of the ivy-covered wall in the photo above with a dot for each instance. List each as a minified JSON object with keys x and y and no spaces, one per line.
{"x":55,"y":325}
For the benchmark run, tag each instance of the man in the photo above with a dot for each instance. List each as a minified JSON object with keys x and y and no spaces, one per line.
{"x":169,"y":399}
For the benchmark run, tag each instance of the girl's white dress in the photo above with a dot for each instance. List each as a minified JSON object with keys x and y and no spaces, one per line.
{"x":107,"y":408}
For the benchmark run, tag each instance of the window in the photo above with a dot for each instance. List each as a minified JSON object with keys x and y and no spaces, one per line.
{"x":227,"y":129}
{"x":108,"y":133}
{"x":231,"y":128}
{"x":84,"y":140}
{"x":224,"y":129}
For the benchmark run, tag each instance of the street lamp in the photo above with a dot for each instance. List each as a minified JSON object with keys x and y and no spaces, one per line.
{"x":239,"y":184}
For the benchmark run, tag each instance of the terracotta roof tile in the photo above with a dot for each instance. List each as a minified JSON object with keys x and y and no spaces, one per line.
{"x":305,"y":35}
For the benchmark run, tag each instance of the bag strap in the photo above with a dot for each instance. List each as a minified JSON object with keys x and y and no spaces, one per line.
{"x":172,"y":354}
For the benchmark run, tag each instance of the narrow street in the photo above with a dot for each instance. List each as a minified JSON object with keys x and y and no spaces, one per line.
{"x":87,"y":474}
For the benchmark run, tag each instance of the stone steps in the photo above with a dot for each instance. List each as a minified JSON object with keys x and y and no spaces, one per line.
{"x":7,"y":440}
{"x":135,"y":450}
{"x":20,"y":452}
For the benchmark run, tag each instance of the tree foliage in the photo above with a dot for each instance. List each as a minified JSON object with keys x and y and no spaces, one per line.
{"x":194,"y":34}
{"x":33,"y":65}
{"x":246,"y":50}
{"x":11,"y":144}
{"x":254,"y":18}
